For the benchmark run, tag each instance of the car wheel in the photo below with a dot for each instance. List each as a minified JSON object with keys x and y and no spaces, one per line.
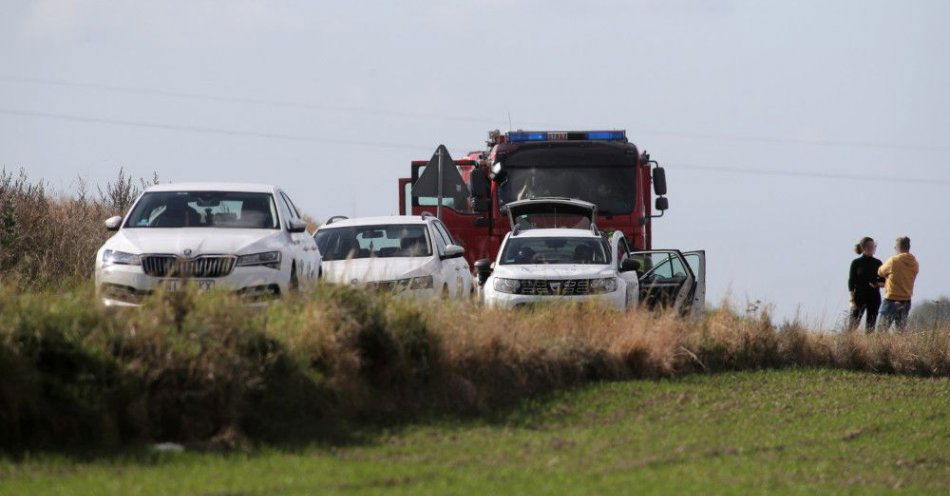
{"x":294,"y":281}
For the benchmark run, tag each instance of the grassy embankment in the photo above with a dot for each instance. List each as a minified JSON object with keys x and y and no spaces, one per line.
{"x":209,"y":372}
{"x":795,"y":431}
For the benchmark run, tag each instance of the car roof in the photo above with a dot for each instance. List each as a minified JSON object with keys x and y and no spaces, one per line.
{"x":212,"y":186}
{"x":376,"y":221}
{"x":558,"y":232}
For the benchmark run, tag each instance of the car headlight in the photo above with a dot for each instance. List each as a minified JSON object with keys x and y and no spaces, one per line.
{"x":269,"y":259}
{"x":421,"y":282}
{"x":600,"y":286}
{"x":113,"y":257}
{"x":503,"y":285}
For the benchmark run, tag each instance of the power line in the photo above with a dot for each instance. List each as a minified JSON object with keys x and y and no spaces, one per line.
{"x":459,"y":118}
{"x":206,"y":130}
{"x":384,"y":145}
{"x":248,"y":100}
{"x":823,"y":175}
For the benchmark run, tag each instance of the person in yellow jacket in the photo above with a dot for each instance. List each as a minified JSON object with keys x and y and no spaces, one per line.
{"x":899,"y":273}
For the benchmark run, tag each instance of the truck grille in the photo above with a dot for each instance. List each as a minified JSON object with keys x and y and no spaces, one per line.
{"x":561,"y":287}
{"x":172,"y":266}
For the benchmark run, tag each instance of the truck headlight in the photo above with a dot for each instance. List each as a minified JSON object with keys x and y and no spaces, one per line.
{"x":421,"y":282}
{"x":605,"y":285}
{"x":113,"y":257}
{"x":269,"y":259}
{"x":503,"y":285}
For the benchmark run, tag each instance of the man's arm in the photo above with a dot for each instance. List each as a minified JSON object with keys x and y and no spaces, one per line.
{"x":885,"y":269}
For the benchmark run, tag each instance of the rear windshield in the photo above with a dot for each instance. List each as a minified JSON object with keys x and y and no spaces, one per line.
{"x":384,"y":241}
{"x":538,"y":251}
{"x":221,"y":209}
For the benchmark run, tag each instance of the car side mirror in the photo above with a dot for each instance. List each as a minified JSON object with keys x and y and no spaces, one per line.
{"x":662,"y":203}
{"x":113,"y":223}
{"x":483,"y":270}
{"x":659,"y":181}
{"x":629,"y":264}
{"x":453,"y":251}
{"x":296,"y":225}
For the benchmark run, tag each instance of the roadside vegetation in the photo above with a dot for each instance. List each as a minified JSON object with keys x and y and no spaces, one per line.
{"x":206,"y":371}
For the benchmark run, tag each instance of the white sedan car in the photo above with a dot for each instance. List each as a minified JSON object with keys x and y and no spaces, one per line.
{"x":401,"y":254}
{"x":238,"y":237}
{"x":558,"y":264}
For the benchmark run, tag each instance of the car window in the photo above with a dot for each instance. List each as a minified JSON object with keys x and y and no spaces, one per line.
{"x":446,"y":236}
{"x":286,"y":204}
{"x":393,"y":240}
{"x":290,"y":206}
{"x":440,"y":241}
{"x":623,"y":250}
{"x":220,"y":209}
{"x":554,"y":250}
{"x":664,"y":265}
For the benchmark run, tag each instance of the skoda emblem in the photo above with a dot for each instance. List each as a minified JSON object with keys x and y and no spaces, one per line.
{"x":556,"y":287}
{"x":187,"y":252}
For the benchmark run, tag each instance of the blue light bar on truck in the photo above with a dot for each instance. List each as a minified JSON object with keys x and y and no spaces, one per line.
{"x":522,"y":136}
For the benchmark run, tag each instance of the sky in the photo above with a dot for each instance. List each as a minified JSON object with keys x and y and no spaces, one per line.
{"x":788,"y":129}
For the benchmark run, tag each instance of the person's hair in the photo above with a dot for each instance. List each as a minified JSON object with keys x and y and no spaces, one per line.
{"x":903,"y":243}
{"x":859,"y":248}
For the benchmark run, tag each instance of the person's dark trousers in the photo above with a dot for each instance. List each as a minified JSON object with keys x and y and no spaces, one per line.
{"x":895,"y":312}
{"x":869,"y":305}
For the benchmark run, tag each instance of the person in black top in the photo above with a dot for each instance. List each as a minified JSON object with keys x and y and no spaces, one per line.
{"x":865,"y":285}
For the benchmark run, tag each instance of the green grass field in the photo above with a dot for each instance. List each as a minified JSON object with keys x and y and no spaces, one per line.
{"x":780,"y":431}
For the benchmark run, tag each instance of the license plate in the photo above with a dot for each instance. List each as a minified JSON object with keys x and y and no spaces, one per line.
{"x":178,"y":284}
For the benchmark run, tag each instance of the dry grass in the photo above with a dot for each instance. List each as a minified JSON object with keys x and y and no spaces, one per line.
{"x":206,"y":370}
{"x":49,"y":239}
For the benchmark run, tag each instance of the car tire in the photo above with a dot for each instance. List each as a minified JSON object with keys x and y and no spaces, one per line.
{"x":294,"y":280}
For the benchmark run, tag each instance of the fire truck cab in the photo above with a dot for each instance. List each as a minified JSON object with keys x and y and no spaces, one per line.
{"x":601,"y":167}
{"x":599,"y":172}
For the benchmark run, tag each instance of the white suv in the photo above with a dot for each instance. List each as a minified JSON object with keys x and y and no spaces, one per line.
{"x":400,"y":254}
{"x":556,"y":253}
{"x":239,"y":237}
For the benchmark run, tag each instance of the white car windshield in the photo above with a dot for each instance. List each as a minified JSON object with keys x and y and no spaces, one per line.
{"x":222,"y":209}
{"x":394,"y":240}
{"x":554,"y":250}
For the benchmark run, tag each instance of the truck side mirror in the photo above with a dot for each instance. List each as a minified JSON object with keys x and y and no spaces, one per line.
{"x":659,"y":181}
{"x":662,"y":203}
{"x":483,"y":270}
{"x":481,"y":185}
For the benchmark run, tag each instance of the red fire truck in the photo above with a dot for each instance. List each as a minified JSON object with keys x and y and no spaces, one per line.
{"x":601,"y":167}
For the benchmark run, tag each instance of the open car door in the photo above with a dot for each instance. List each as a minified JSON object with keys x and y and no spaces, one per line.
{"x":697,"y":263}
{"x":666,"y":280}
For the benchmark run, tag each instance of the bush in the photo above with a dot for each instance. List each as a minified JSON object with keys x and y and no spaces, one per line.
{"x":49,"y":240}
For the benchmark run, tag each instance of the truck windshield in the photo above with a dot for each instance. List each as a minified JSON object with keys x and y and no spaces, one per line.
{"x":612,"y":189}
{"x":603,"y":176}
{"x":221,"y":209}
{"x":538,"y":251}
{"x":393,"y":240}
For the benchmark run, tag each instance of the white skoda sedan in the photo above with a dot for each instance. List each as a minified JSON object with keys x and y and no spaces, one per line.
{"x":409,"y":255}
{"x":237,"y":237}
